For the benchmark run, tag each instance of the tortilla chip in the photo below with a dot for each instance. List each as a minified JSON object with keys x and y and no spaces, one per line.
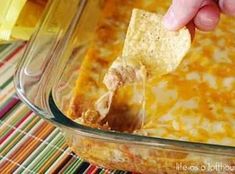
{"x":148,"y":43}
{"x":149,"y":50}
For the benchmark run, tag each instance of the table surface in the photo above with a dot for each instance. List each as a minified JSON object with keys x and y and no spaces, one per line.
{"x":28,"y":144}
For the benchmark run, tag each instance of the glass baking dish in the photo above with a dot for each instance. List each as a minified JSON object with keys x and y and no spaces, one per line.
{"x":46,"y":77}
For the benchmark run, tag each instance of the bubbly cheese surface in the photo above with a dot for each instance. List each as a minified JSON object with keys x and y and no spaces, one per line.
{"x":194,"y":103}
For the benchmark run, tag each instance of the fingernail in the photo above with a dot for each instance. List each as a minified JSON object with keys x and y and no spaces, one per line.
{"x":169,"y":20}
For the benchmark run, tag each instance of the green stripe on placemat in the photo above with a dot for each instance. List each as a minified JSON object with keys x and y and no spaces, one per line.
{"x":27,"y":143}
{"x":2,"y":47}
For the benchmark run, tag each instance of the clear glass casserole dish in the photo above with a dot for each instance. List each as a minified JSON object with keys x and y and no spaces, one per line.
{"x":47,"y":75}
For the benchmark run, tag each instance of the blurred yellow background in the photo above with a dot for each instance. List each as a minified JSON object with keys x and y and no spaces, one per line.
{"x":18,"y":18}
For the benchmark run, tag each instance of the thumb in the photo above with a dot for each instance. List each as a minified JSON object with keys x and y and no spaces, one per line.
{"x":180,"y":13}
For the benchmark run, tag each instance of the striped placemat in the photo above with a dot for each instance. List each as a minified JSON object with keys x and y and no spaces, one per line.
{"x":28,"y":144}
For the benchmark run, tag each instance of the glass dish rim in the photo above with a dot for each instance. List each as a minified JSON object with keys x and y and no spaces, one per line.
{"x":63,"y":121}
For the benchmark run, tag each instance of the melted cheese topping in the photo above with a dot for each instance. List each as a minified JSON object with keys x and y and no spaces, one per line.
{"x":194,"y":103}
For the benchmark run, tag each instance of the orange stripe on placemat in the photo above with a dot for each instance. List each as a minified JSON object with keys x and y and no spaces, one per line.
{"x":29,"y":145}
{"x":51,"y":160}
{"x":13,"y":143}
{"x":92,"y":169}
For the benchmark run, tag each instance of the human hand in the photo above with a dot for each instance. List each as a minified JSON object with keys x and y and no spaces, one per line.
{"x":201,"y":14}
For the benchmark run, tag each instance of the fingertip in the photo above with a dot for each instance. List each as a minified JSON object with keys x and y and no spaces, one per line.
{"x":170,"y":20}
{"x":228,"y":7}
{"x":180,"y":13}
{"x":207,"y":18}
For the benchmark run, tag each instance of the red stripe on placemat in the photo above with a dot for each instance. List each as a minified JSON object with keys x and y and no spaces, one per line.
{"x":8,"y":107}
{"x":91,"y":169}
{"x":16,"y":126}
{"x":11,"y":55}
